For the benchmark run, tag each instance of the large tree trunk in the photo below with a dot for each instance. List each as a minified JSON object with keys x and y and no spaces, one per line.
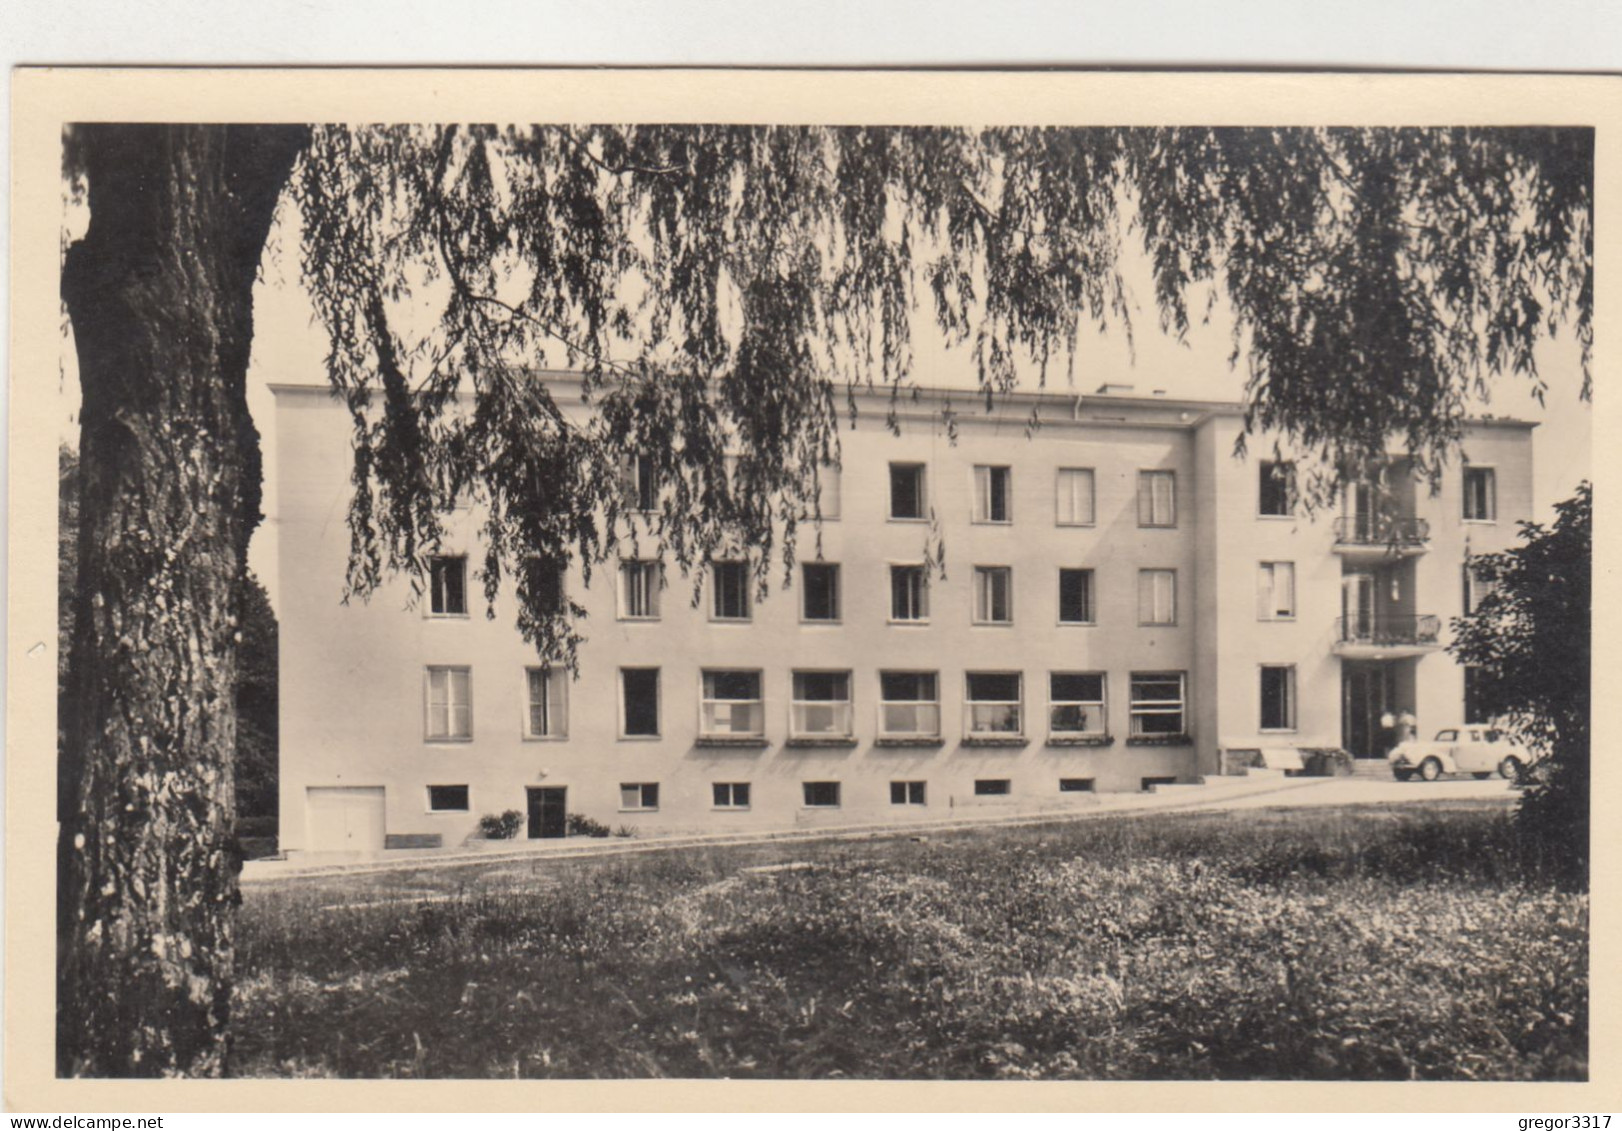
{"x":160,"y":294}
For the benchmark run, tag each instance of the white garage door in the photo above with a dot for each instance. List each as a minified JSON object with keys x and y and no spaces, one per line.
{"x":344,"y":818}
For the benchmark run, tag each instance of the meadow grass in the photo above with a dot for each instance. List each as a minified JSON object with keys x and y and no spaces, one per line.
{"x":1308,"y":944}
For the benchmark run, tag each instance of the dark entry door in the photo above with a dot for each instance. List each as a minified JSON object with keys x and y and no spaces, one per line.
{"x":1365,"y":699}
{"x":547,"y":811}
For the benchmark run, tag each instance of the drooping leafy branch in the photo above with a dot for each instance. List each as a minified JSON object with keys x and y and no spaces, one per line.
{"x":718,"y":287}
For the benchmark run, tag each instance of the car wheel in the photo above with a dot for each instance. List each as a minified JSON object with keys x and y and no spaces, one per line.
{"x":1430,"y":769}
{"x":1403,"y":775}
{"x":1510,"y":768}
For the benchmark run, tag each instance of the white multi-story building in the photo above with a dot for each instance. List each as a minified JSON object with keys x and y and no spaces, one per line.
{"x":1122,"y":601}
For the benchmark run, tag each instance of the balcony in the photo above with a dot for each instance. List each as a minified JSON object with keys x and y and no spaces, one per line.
{"x":909,"y":723}
{"x":820,"y":722}
{"x":1370,"y":537}
{"x":731,"y":722}
{"x":1389,"y":636}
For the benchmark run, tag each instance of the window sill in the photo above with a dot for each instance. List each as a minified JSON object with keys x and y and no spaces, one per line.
{"x":1479,"y":521}
{"x":896,"y":740}
{"x":1076,"y":525}
{"x":636,"y":810}
{"x":991,"y":522}
{"x":992,"y":623}
{"x":446,"y":812}
{"x":830,"y":622}
{"x":924,"y":623}
{"x":1157,"y":624}
{"x":637,"y":620}
{"x":546,"y":738}
{"x":449,"y":741}
{"x":640,"y":737}
{"x":729,"y":808}
{"x":1276,"y":517}
{"x":447,"y":616}
{"x":820,"y":808}
{"x":1160,"y":740}
{"x":738,"y":741}
{"x":811,"y":741}
{"x":905,"y":518}
{"x":1081,"y":740}
{"x":995,"y":740}
{"x":1076,"y":624}
{"x":732,"y":620}
{"x":1275,"y":620}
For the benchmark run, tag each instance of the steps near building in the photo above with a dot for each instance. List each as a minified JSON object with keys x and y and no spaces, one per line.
{"x":1375,"y":768}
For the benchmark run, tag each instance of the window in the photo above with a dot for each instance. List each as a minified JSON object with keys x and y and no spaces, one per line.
{"x":1277,"y":491}
{"x":906,"y":793}
{"x":447,"y":799}
{"x":1157,"y":596}
{"x":1480,"y":495}
{"x":1075,"y":596}
{"x":639,"y":694}
{"x":1275,"y":591}
{"x":993,"y":595}
{"x":1475,"y":710}
{"x":1075,"y":785}
{"x":640,"y":482}
{"x":821,"y":596}
{"x":639,"y":590}
{"x":1476,"y":589}
{"x":821,"y":707}
{"x":447,"y":585}
{"x":991,"y":502}
{"x":548,"y":714}
{"x":993,"y":703}
{"x":639,"y":795}
{"x":909,"y":706}
{"x":729,"y":586}
{"x":1075,"y":703}
{"x":907,"y":498}
{"x":1075,"y":497}
{"x":909,"y":593}
{"x":1278,"y":697}
{"x":450,"y":703}
{"x":1157,"y":498}
{"x":993,"y":787}
{"x":1157,"y":703}
{"x":821,"y":794}
{"x":731,"y":794}
{"x":732,"y":706}
{"x":829,"y":491}
{"x":544,"y":578}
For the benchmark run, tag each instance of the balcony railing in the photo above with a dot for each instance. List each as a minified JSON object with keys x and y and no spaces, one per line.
{"x":736,"y":718}
{"x":1381,"y":530}
{"x":1389,"y":630}
{"x":909,"y":719}
{"x":819,"y":718}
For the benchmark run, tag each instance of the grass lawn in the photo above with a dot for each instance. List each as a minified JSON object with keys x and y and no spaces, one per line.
{"x":1360,"y":943}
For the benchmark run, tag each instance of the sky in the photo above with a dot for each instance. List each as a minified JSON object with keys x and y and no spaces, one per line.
{"x":290,"y":345}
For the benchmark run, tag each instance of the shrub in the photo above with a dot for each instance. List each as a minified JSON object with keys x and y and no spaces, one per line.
{"x":256,"y":827}
{"x":502,"y":827}
{"x":1326,"y":762}
{"x":582,"y":825}
{"x":625,"y":830}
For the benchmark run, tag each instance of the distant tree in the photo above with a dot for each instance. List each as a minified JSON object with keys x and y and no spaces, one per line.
{"x":721,"y":289}
{"x":1530,"y":639}
{"x":257,"y":704}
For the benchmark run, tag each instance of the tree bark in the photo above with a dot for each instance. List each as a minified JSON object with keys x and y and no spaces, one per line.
{"x":160,"y":292}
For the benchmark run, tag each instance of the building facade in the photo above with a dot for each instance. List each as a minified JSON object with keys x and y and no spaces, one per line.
{"x":1122,"y":600}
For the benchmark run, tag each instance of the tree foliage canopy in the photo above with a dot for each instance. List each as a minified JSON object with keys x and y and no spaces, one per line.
{"x":1530,"y":639}
{"x":722,"y":289}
